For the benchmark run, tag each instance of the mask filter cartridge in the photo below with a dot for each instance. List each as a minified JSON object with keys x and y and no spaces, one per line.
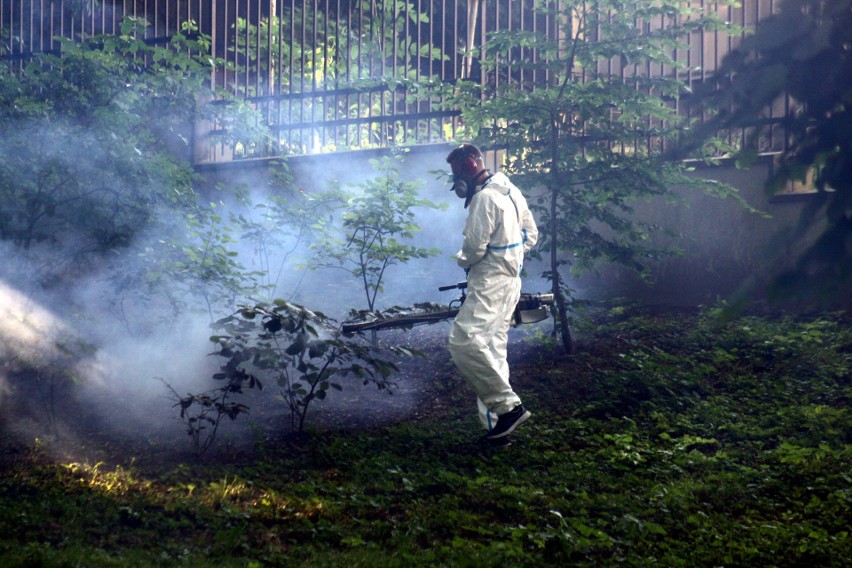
{"x":460,"y":187}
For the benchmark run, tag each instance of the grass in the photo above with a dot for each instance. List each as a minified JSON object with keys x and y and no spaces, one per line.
{"x":670,"y":440}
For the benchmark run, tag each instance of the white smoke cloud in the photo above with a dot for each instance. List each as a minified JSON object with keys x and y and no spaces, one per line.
{"x":132,"y":341}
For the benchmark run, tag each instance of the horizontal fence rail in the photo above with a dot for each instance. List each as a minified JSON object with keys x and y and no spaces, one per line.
{"x":327,"y":75}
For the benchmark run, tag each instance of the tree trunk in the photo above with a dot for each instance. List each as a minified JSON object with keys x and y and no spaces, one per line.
{"x":561,"y":315}
{"x":560,"y":318}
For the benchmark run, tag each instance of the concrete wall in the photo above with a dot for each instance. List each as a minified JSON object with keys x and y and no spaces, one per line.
{"x":724,"y":245}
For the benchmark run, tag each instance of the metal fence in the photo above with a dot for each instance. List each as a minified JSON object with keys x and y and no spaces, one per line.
{"x":326,"y":75}
{"x":348,"y":74}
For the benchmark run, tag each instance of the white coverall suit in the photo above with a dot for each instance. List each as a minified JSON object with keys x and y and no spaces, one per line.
{"x":500,"y":229}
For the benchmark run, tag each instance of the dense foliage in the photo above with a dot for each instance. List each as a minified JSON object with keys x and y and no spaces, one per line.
{"x":91,"y":138}
{"x":675,"y":441}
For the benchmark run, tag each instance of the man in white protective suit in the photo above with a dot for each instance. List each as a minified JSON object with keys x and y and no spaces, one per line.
{"x":499,"y":230}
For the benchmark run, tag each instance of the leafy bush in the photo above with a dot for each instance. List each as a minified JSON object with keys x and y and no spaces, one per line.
{"x":301,"y":350}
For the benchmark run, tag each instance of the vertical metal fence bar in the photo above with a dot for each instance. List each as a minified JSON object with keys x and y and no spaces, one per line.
{"x":62,"y":19}
{"x":788,"y":110}
{"x":754,"y":21}
{"x":290,"y":75}
{"x":12,"y":18}
{"x":690,"y":75}
{"x":431,"y":72}
{"x":736,"y":16}
{"x":327,"y":107}
{"x":497,"y":28}
{"x":338,"y":52}
{"x":658,"y":140}
{"x":455,"y":58}
{"x":264,"y":67}
{"x":302,"y":64}
{"x":71,"y":24}
{"x":375,"y":50}
{"x":509,"y":54}
{"x":378,"y":65}
{"x":677,"y":72}
{"x":3,"y":20}
{"x":256,"y":70}
{"x":622,"y":76}
{"x":41,"y":24}
{"x":370,"y":139}
{"x":384,"y":131}
{"x":348,"y":81}
{"x":449,"y":70}
{"x":31,"y":42}
{"x":3,"y":9}
{"x":407,"y":106}
{"x":523,"y":55}
{"x":359,"y":113}
{"x":394,"y":88}
{"x":279,"y":62}
{"x":367,"y":29}
{"x":610,"y":72}
{"x":772,"y":114}
{"x":269,"y":73}
{"x":246,"y":57}
{"x":539,"y":74}
{"x":146,"y":31}
{"x":232,"y":42}
{"x":549,"y":21}
{"x":483,"y":7}
{"x":415,"y":60}
{"x":227,"y":82}
{"x":314,"y":100}
{"x":646,"y":74}
{"x":20,"y":34}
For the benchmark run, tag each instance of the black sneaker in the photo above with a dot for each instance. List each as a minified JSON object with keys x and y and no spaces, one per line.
{"x":492,"y":443}
{"x":507,"y":423}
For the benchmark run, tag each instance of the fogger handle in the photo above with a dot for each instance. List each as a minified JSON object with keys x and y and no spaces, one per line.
{"x":459,"y":285}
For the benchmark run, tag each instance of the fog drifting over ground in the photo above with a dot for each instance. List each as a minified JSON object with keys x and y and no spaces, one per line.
{"x":118,"y":358}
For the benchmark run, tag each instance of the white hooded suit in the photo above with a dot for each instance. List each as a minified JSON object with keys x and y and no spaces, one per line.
{"x":499,"y":230}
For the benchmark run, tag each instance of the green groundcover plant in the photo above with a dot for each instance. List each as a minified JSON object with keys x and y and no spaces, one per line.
{"x":666,"y":440}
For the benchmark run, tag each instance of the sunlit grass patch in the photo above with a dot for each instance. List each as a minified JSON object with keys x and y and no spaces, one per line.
{"x":119,"y":481}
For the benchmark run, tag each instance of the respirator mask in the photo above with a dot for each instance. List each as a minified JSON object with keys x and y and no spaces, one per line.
{"x":463,"y":189}
{"x":460,"y":187}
